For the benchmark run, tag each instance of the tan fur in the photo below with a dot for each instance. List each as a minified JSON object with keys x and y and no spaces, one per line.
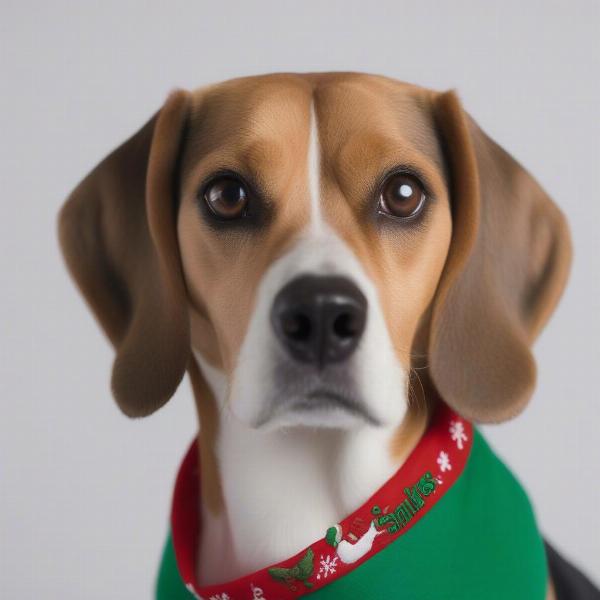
{"x":212,"y":494}
{"x":506,"y":270}
{"x":260,"y":131}
{"x":271,"y":122}
{"x":464,"y":292}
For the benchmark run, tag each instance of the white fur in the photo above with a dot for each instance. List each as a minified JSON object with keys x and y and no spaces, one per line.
{"x":314,"y":167}
{"x":283,"y":488}
{"x":317,"y":253}
{"x":286,"y":480}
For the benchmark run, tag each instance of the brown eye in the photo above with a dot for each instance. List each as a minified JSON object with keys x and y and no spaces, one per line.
{"x":402,"y":195}
{"x":226,"y":197}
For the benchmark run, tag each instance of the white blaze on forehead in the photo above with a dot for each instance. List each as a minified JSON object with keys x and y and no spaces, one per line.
{"x":314,"y":171}
{"x":254,"y":390}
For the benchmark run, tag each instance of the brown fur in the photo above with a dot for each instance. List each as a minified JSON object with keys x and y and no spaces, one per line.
{"x":261,"y":132}
{"x":505,"y":272}
{"x":119,"y":244}
{"x":505,"y":269}
{"x":464,"y":292}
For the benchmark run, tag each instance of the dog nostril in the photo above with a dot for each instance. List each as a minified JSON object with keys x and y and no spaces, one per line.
{"x":319,"y":319}
{"x":296,"y":326}
{"x":346,"y":326}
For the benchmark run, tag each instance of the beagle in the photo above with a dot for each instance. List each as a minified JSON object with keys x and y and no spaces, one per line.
{"x":352,"y":274}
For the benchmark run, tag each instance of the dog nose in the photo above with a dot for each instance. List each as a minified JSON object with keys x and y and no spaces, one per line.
{"x":319,"y":319}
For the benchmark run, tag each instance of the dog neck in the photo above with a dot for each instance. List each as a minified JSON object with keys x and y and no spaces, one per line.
{"x":280,"y":490}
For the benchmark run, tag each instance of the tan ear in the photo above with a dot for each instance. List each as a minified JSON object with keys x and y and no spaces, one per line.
{"x":117,"y":233}
{"x":507,"y":266}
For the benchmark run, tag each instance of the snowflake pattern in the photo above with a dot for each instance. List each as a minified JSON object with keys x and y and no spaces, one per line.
{"x":457,"y":433}
{"x":444,"y":461}
{"x":328,"y":565}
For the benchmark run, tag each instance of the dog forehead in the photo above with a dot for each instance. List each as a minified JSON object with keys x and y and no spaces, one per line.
{"x":375,"y":115}
{"x":270,"y":115}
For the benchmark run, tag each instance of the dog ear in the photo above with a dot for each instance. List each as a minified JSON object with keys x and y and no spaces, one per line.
{"x":117,"y":234}
{"x":507,"y":266}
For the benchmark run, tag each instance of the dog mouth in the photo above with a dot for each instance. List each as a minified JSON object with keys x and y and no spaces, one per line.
{"x":302,"y":396}
{"x":318,"y":406}
{"x":324,"y":400}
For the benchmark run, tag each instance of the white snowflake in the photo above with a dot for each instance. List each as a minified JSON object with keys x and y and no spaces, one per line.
{"x":444,"y":461}
{"x":328,"y":565}
{"x":457,"y":433}
{"x":190,"y":588}
{"x":222,"y":596}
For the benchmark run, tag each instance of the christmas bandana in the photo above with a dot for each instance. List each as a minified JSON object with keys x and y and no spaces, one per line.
{"x":406,"y":499}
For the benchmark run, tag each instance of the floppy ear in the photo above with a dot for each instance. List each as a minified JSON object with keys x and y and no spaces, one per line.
{"x":117,"y":233}
{"x":506,"y":269}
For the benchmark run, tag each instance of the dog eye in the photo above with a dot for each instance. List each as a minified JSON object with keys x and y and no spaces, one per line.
{"x":226,"y":197}
{"x":402,"y":195}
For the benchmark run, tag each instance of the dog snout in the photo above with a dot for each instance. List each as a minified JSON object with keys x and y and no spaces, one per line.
{"x":319,"y":319}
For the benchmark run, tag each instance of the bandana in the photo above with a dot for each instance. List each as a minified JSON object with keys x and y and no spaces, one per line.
{"x":452,"y":522}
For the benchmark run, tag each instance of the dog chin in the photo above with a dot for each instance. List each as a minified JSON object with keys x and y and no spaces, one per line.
{"x":327,"y":411}
{"x":316,"y":409}
{"x":313,"y":418}
{"x":288,"y":395}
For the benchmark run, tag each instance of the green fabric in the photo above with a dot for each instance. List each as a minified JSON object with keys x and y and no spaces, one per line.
{"x":480,"y":541}
{"x":169,"y":585}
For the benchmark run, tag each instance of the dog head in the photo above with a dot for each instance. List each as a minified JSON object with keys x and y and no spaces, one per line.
{"x":315,"y":238}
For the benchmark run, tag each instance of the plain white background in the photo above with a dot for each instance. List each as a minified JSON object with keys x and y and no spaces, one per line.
{"x":85,"y":492}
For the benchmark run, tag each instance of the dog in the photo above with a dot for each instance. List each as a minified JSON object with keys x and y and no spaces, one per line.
{"x":352,"y":273}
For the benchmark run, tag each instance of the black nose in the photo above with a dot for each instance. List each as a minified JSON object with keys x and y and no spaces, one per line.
{"x":318,"y":319}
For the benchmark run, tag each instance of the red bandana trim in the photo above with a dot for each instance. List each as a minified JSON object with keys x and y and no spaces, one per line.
{"x":433,"y":466}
